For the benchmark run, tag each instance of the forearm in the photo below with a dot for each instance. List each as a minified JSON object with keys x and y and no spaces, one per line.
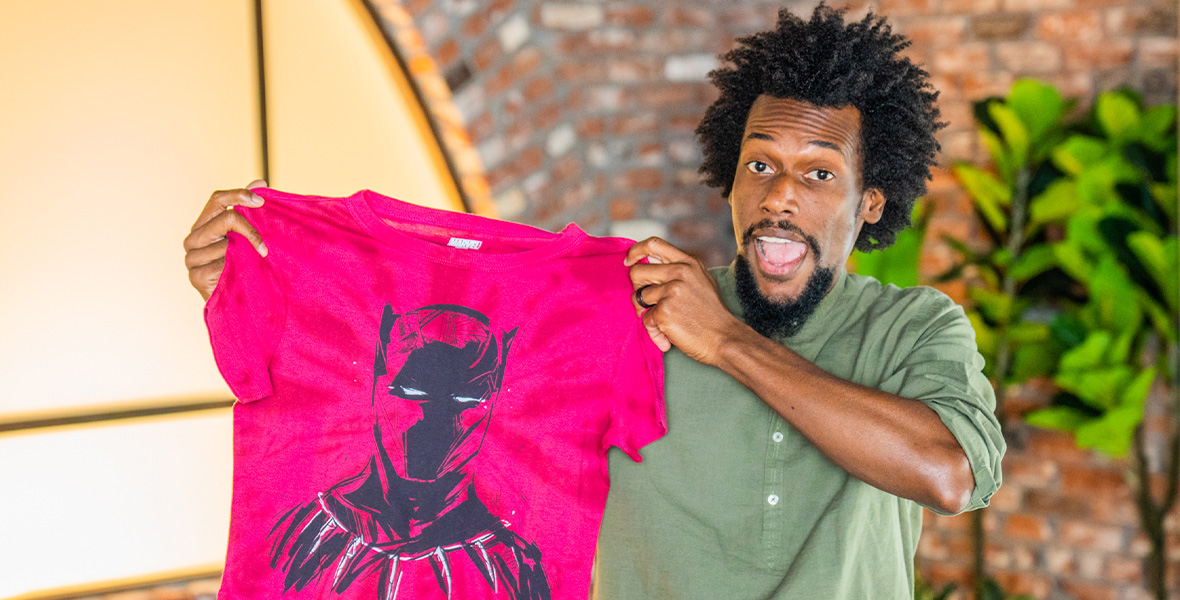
{"x":895,"y":444}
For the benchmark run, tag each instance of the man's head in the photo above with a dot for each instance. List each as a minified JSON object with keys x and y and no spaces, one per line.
{"x":822,"y":138}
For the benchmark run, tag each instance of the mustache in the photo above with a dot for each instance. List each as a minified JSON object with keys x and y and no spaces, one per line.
{"x":748,"y":236}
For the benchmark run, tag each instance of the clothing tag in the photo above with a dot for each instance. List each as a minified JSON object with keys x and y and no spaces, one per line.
{"x":464,"y":244}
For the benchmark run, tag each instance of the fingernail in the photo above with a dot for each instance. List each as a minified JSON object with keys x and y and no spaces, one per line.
{"x":255,"y":199}
{"x":262,"y":248}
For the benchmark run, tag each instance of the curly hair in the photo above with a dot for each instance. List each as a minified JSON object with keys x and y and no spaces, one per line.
{"x":828,"y":63}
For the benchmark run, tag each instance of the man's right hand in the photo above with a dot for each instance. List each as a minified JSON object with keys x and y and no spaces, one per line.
{"x":204,"y":248}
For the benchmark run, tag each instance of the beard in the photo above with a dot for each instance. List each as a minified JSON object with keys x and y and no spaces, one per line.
{"x":773,"y":318}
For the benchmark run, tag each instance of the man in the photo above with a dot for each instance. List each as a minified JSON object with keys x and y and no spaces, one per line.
{"x":811,"y":412}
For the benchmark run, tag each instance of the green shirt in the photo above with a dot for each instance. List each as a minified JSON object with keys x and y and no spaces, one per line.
{"x":734,"y":504}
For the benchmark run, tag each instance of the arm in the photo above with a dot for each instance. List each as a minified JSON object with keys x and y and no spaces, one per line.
{"x":896,"y":444}
{"x":204,"y":247}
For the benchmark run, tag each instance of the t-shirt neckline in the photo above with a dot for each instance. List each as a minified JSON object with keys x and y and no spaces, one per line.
{"x":368,"y":208}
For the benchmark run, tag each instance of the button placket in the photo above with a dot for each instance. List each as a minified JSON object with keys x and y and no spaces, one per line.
{"x":772,"y":489}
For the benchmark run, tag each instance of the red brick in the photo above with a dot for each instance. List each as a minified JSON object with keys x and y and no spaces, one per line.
{"x":898,"y":8}
{"x":621,"y":209}
{"x":1081,"y":590}
{"x":936,"y":31}
{"x":642,"y":179}
{"x":630,"y":16}
{"x":1040,"y":502}
{"x":970,"y":6}
{"x":1074,"y":26}
{"x":1015,"y":582}
{"x":1055,"y":445}
{"x":1036,"y":5}
{"x":541,"y":87}
{"x":1031,"y":471}
{"x":446,"y":53}
{"x":965,"y":58}
{"x":1000,"y":26}
{"x":1102,"y":54}
{"x":684,"y":122}
{"x":592,"y":127}
{"x":692,"y":231}
{"x":1029,"y":57}
{"x":632,"y":70}
{"x":1026,"y":527}
{"x":943,"y":573}
{"x":1089,"y":481}
{"x":524,"y":62}
{"x":581,"y":71}
{"x":1158,"y":52}
{"x":475,"y":25}
{"x":689,"y":17}
{"x":1159,"y":19}
{"x":631,"y":124}
{"x":487,"y":54}
{"x":1124,"y":569}
{"x":1083,"y":534}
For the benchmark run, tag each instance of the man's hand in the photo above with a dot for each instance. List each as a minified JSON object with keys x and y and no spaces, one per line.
{"x":686,"y":307}
{"x":204,"y":248}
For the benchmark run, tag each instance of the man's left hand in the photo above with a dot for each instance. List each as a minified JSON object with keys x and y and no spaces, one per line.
{"x":686,"y":310}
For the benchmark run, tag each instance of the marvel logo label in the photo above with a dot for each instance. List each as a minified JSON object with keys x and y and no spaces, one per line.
{"x":464,"y":243}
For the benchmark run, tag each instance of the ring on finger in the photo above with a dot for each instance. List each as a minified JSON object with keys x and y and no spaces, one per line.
{"x":639,"y":296}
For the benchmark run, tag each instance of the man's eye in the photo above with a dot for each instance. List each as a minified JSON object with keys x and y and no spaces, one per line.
{"x":820,"y":175}
{"x":757,"y":166}
{"x":467,"y":399}
{"x":409,"y":392}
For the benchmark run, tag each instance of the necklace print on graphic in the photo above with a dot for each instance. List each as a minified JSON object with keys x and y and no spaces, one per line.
{"x":436,"y":375}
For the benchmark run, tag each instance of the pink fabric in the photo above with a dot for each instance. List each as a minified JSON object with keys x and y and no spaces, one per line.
{"x":418,"y":420}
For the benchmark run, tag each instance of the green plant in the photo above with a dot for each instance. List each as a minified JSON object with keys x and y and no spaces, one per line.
{"x":1012,"y":276}
{"x":1080,"y":279}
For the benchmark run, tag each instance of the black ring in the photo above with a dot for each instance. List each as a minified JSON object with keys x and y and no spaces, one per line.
{"x":639,"y":296}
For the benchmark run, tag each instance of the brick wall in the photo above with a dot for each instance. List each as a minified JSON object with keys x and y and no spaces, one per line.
{"x":584,"y":111}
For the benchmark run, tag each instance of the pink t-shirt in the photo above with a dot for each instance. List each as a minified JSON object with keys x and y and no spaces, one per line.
{"x":426,"y":400}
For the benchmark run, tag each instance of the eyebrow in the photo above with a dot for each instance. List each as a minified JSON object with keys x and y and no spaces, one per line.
{"x":822,"y":144}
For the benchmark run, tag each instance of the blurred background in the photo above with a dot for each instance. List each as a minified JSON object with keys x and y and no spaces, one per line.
{"x":120,"y":117}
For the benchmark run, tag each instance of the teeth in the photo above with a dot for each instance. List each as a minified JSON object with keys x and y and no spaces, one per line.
{"x":775,"y":240}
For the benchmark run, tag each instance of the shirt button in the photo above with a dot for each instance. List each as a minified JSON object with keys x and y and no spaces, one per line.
{"x":777,"y":437}
{"x":772,"y":499}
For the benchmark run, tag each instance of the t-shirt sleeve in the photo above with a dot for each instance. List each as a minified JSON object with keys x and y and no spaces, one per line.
{"x":944,"y":370}
{"x":637,"y":407}
{"x":245,"y":317}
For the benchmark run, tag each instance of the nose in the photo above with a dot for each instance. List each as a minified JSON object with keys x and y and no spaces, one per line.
{"x":781,"y":198}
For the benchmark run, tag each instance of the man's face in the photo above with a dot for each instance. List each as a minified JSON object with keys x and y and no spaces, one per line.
{"x":797,"y":200}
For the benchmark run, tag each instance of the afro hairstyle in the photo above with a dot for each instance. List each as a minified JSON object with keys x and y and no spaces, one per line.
{"x":828,"y":63}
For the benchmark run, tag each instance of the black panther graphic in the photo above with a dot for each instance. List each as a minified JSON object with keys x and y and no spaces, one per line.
{"x":436,"y":375}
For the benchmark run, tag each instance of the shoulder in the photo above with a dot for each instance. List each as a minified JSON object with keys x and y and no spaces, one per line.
{"x":919,"y":311}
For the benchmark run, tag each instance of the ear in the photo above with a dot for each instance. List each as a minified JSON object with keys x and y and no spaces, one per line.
{"x":872,"y":205}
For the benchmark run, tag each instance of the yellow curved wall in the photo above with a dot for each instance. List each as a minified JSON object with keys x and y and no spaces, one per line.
{"x":118,"y":119}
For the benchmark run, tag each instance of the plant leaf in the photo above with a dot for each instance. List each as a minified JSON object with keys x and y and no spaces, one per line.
{"x":1118,"y":116}
{"x":1078,"y":152}
{"x":1056,"y":203}
{"x":988,"y":193}
{"x":1012,"y":130}
{"x":1111,"y":433}
{"x":1061,"y":418}
{"x":1089,"y":354}
{"x":1039,"y":106}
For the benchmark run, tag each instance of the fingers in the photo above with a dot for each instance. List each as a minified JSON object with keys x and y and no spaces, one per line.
{"x":205,"y":277}
{"x":216,"y":229}
{"x":222,"y":200}
{"x":655,"y":250}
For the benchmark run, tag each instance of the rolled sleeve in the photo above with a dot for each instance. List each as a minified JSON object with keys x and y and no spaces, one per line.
{"x":944,"y":370}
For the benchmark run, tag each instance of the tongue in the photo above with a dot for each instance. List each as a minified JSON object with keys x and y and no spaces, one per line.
{"x":782,"y":253}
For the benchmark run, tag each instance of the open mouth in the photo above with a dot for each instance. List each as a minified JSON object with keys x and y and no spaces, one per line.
{"x":779,"y":256}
